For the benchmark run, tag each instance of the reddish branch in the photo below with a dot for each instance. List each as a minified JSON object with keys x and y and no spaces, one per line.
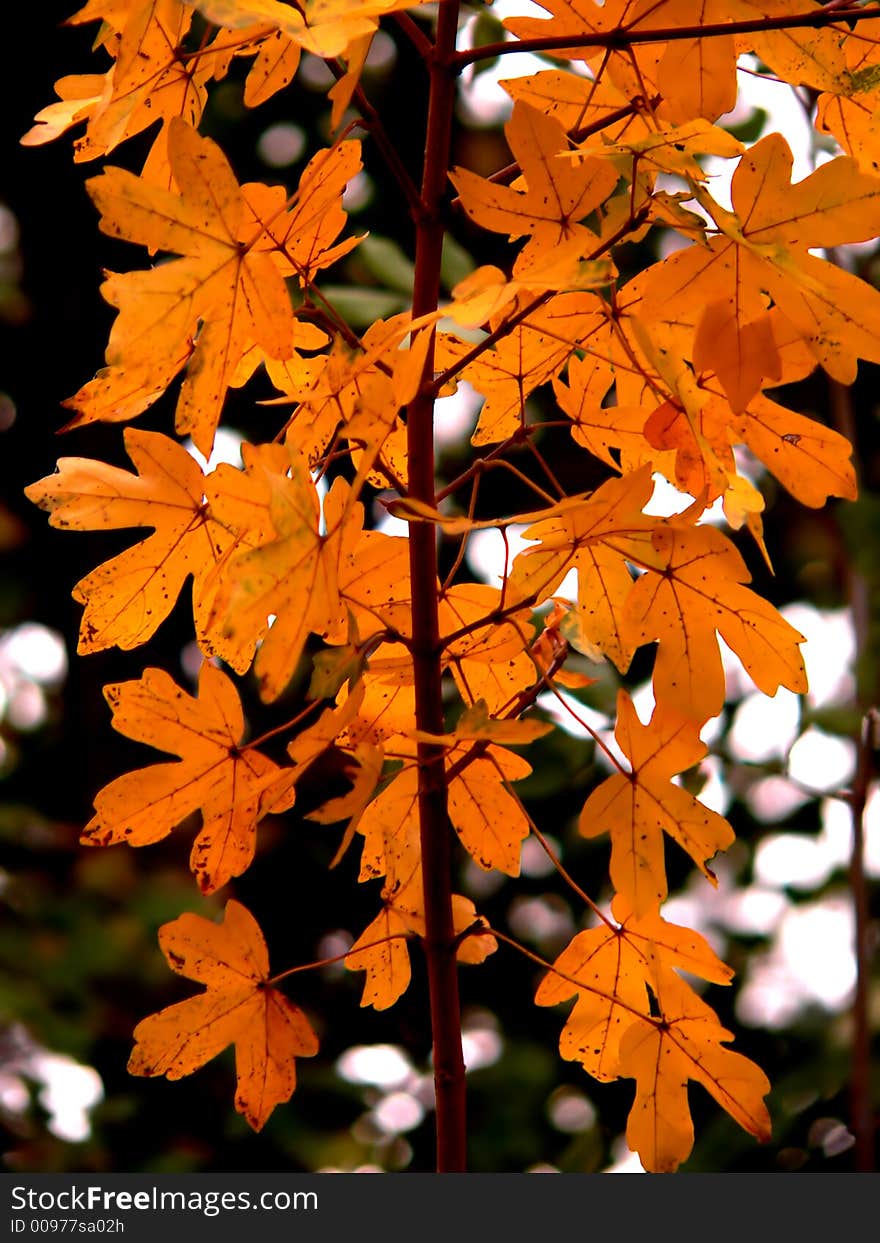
{"x":434,"y":827}
{"x":622,"y":37}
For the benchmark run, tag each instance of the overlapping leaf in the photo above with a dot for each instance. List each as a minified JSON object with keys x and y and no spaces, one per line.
{"x":686,"y":1042}
{"x":325,"y":28}
{"x":232,"y":786}
{"x":634,"y":1017}
{"x":763,"y":249}
{"x":226,"y":290}
{"x":609,"y":970}
{"x":557,"y":197}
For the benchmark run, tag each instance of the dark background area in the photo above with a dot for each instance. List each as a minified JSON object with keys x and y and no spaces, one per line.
{"x":79,"y":965}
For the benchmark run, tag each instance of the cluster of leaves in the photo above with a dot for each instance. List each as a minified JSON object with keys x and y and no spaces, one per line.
{"x":664,"y":373}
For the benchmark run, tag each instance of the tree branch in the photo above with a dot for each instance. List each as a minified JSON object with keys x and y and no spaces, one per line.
{"x":621,"y":38}
{"x":434,"y":827}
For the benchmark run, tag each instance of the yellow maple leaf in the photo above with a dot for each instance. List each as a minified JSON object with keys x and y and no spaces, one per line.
{"x":150,"y":80}
{"x":558,"y":196}
{"x":232,"y":785}
{"x":609,"y":970}
{"x":694,"y":588}
{"x":326,"y":28}
{"x":529,"y":355}
{"x":686,"y":1042}
{"x":239,"y":1006}
{"x":291,"y":578}
{"x":637,"y":807}
{"x":763,"y":250}
{"x":596,"y":535}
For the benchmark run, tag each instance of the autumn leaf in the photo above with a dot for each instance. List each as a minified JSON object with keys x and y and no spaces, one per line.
{"x":382,"y":952}
{"x":239,"y":1006}
{"x":609,"y":970}
{"x":149,"y":81}
{"x":128,"y":597}
{"x":228,"y":280}
{"x":290,"y":578}
{"x":382,"y":949}
{"x":325,"y":28}
{"x":233,"y":786}
{"x":686,"y":1042}
{"x":693,"y":590}
{"x":488,"y":818}
{"x":558,"y":195}
{"x":529,"y":355}
{"x":595,"y":535}
{"x":763,"y":250}
{"x":637,"y":807}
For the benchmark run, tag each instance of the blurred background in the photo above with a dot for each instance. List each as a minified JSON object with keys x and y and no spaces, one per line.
{"x":79,"y":963}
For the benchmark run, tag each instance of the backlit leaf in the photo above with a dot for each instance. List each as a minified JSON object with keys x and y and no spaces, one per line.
{"x":239,"y":1006}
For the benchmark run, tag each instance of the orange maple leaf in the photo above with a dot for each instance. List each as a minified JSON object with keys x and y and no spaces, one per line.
{"x":149,"y":81}
{"x":128,"y":597}
{"x":637,"y":807}
{"x":597,"y":535}
{"x":306,"y":579}
{"x":239,"y":1006}
{"x":686,"y":1042}
{"x":609,"y":970}
{"x":529,"y":355}
{"x":326,"y":28}
{"x":763,"y":251}
{"x":558,"y":195}
{"x":634,"y":1017}
{"x":694,"y":588}
{"x":233,"y":786}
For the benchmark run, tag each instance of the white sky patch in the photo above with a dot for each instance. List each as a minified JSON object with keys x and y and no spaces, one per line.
{"x":872,"y":832}
{"x":69,"y":1091}
{"x":715,"y":793}
{"x":794,"y":860}
{"x":36,"y":652}
{"x":822,"y":761}
{"x":387,"y":522}
{"x":455,"y":416}
{"x":570,"y":1111}
{"x":382,"y":1065}
{"x":397,"y":1112}
{"x":643,"y":701}
{"x":623,"y":1160}
{"x":828,"y":653}
{"x":754,"y":911}
{"x":32,"y":656}
{"x":534,"y":860}
{"x":786,"y":116}
{"x":487,"y":552}
{"x":764,"y":728}
{"x":810,"y":961}
{"x":281,"y":144}
{"x":358,"y":193}
{"x":775,"y":798}
{"x":481,"y":1047}
{"x":578,"y":719}
{"x":227,"y":448}
{"x":540,"y":919}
